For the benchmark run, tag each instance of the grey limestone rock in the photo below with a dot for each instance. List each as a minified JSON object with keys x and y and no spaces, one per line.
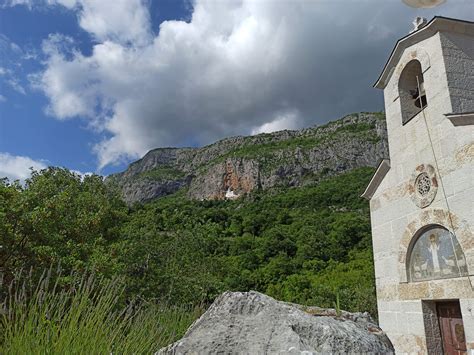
{"x":253,"y":323}
{"x":238,"y":165}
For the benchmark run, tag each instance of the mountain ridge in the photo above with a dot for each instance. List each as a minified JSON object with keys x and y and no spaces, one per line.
{"x":234,"y":166}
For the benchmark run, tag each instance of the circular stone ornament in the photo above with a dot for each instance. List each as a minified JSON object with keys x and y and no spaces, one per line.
{"x":423,"y":185}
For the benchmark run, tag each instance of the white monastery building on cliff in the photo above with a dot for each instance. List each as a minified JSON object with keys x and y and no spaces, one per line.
{"x":422,"y":198}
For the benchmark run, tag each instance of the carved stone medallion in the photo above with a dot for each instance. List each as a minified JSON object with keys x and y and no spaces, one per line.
{"x":423,"y":185}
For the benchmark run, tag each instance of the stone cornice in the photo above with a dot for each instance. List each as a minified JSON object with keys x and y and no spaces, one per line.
{"x":461,"y":119}
{"x":382,"y":170}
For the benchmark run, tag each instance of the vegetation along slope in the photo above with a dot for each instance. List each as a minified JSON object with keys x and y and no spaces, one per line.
{"x":299,"y":235}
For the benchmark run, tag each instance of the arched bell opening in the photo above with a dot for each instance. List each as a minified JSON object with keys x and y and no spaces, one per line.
{"x":411,"y":90}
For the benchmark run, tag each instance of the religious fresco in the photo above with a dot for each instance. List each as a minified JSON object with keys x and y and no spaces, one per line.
{"x":436,"y":255}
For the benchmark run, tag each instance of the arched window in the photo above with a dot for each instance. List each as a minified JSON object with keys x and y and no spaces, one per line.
{"x":435,"y":254}
{"x":411,"y":90}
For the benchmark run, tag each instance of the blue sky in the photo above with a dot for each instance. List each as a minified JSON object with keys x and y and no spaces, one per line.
{"x":25,"y":129}
{"x":93,"y":84}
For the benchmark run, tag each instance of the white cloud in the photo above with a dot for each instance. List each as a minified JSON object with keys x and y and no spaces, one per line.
{"x":11,"y":71}
{"x":123,"y":21}
{"x":18,"y":167}
{"x":233,"y":69}
{"x":81,"y":174}
{"x":2,"y":98}
{"x":15,"y":85}
{"x":11,"y":3}
{"x":286,"y":121}
{"x":69,"y":84}
{"x":15,"y":167}
{"x":119,"y":20}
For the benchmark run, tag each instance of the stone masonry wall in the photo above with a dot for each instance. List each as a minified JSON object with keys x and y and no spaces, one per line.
{"x":396,"y":218}
{"x":458,"y":53}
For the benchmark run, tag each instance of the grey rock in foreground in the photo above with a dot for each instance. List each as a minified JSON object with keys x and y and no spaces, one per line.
{"x":253,"y":323}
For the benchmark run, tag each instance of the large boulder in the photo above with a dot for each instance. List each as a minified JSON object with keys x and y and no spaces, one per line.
{"x":253,"y":323}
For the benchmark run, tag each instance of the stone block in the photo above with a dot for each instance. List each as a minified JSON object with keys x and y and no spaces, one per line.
{"x":458,"y":288}
{"x":382,"y":234}
{"x":414,"y":291}
{"x":411,"y":307}
{"x":467,"y":310}
{"x":408,"y":344}
{"x":388,"y":292}
{"x":388,"y":322}
{"x":415,"y":323}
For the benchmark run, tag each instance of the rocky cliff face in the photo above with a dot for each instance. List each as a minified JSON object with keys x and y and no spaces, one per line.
{"x":235,"y":166}
{"x":253,"y":323}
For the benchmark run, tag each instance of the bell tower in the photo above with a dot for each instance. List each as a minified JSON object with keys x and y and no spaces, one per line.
{"x":422,"y":196}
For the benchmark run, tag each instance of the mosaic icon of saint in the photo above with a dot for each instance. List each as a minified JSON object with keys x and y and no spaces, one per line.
{"x":434,"y":248}
{"x":436,"y":254}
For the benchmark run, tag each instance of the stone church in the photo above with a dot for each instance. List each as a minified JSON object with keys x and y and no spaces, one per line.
{"x":422,"y":198}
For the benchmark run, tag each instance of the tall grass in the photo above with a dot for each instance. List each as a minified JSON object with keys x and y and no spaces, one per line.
{"x":84,"y":318}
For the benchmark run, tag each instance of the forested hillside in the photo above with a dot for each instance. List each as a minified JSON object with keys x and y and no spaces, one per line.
{"x":303,"y":245}
{"x":306,"y":244}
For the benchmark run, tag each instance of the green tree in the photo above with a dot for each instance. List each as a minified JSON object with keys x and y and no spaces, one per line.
{"x":59,"y":217}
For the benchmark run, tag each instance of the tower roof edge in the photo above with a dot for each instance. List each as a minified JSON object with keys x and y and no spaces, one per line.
{"x":436,"y":24}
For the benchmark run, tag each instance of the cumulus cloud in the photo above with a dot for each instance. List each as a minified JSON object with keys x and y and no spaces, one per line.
{"x":286,"y":121}
{"x":121,"y":20}
{"x":124,"y":21}
{"x":237,"y":67}
{"x":16,"y":167}
{"x":69,"y":80}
